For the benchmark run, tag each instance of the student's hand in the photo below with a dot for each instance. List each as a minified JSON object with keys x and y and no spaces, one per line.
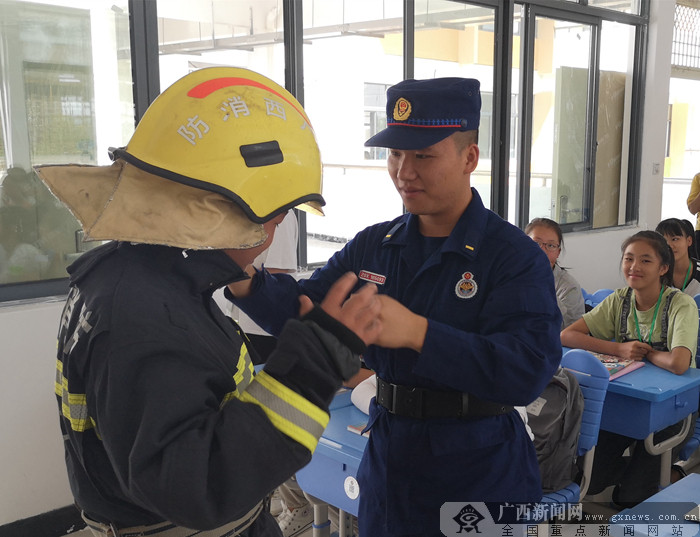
{"x":633,"y":350}
{"x":401,"y":328}
{"x":359,"y":312}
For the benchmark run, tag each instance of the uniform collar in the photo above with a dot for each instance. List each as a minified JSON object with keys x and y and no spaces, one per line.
{"x":465,"y":238}
{"x":204,"y":270}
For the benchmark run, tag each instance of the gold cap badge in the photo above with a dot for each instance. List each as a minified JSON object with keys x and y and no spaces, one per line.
{"x":402,"y":110}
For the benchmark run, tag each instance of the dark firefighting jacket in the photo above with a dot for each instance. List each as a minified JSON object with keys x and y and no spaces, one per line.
{"x":162,"y":416}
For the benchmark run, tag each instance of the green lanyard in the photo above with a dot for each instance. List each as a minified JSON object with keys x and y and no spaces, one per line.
{"x":685,"y":282}
{"x":653,"y":319}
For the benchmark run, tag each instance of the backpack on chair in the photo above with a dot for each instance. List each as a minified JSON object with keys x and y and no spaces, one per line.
{"x":555,"y":420}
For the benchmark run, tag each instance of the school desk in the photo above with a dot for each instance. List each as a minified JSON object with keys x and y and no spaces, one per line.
{"x":662,"y":515}
{"x":648,"y":400}
{"x":331,"y":474}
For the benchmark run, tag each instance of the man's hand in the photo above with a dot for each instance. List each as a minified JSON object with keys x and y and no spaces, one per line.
{"x":401,"y":328}
{"x":359,"y":312}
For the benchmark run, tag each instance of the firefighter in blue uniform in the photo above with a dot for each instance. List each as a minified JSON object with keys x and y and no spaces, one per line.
{"x":167,"y":430}
{"x":470,"y":323}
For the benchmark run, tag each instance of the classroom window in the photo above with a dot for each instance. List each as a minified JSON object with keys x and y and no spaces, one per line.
{"x":560,"y":105}
{"x":58,"y":107}
{"x":613,"y":126}
{"x":485,"y":136}
{"x":352,"y":52}
{"x":74,"y":103}
{"x":375,"y":117}
{"x":624,"y":6}
{"x":575,"y":159}
{"x":455,"y":39}
{"x":204,"y":33}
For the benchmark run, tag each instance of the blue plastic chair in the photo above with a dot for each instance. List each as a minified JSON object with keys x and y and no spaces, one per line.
{"x":593,"y":299}
{"x":692,"y":445}
{"x":586,"y":295}
{"x":593,"y":378}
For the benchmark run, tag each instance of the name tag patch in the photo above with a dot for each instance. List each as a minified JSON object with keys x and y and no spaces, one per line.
{"x":373,"y":277}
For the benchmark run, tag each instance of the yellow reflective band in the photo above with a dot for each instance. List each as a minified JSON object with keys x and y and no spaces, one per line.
{"x":73,"y":405}
{"x":293,"y":398}
{"x":58,"y":383}
{"x":244,"y":369}
{"x":288,"y":411}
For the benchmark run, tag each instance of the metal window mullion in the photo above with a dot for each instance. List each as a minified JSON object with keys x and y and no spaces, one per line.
{"x":591,"y":147}
{"x":409,"y":34}
{"x":293,"y":30}
{"x":527,"y":55}
{"x":502,"y":80}
{"x":145,"y":63}
{"x":637,"y":112}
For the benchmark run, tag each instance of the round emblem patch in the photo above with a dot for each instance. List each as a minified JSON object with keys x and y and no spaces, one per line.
{"x":466,"y":287}
{"x":402,"y":110}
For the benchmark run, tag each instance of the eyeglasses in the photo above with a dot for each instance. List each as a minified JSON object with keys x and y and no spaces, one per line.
{"x":551,"y":246}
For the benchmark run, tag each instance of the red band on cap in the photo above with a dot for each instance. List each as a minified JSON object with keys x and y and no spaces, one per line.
{"x":208,"y":87}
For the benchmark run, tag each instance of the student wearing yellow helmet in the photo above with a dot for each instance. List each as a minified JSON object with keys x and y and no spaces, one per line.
{"x":165,"y":424}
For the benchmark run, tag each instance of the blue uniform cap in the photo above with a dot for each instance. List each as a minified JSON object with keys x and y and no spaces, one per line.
{"x":420,"y":113}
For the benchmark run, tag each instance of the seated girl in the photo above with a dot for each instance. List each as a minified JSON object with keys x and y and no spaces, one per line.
{"x":648,"y":320}
{"x":547,"y":234}
{"x":686,"y":274}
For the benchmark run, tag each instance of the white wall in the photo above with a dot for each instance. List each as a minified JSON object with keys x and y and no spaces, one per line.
{"x":33,"y":477}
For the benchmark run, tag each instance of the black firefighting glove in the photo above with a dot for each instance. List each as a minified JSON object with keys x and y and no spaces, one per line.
{"x":314,"y":354}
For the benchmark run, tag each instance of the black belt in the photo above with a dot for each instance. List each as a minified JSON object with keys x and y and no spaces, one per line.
{"x":423,"y":403}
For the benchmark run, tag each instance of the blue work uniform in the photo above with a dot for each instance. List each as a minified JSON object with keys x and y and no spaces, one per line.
{"x":493,"y":331}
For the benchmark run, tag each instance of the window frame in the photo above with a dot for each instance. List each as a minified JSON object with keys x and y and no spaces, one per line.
{"x":143,"y":26}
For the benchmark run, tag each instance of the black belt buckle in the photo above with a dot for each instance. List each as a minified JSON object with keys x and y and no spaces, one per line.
{"x":408,"y":401}
{"x":401,"y":400}
{"x":385,"y":394}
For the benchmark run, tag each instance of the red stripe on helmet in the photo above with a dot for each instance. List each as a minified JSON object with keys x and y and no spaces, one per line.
{"x":208,"y":87}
